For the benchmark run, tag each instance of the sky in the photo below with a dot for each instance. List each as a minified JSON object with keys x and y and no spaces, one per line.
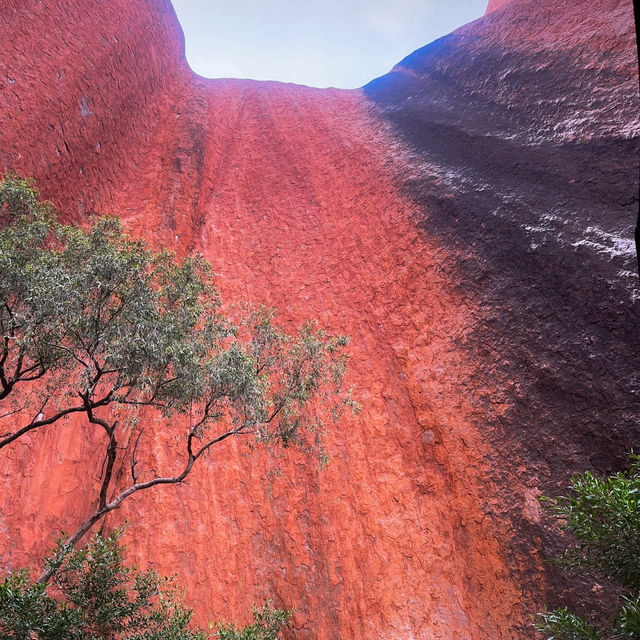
{"x":322,"y":43}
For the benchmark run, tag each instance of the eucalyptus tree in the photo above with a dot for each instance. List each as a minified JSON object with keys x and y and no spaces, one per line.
{"x":94,"y":323}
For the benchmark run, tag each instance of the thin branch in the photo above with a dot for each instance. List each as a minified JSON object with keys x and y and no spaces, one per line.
{"x":220,"y":438}
{"x":276,"y":411}
{"x":10,"y":413}
{"x":36,"y":376}
{"x":71,"y":352}
{"x":35,"y":424}
{"x":18,"y":368}
{"x":104,"y":509}
{"x":20,"y":374}
{"x":143,"y":403}
{"x":36,"y":366}
{"x":5,"y":348}
{"x":260,"y":368}
{"x":6,"y":386}
{"x":133,"y":462}
{"x":40,"y":412}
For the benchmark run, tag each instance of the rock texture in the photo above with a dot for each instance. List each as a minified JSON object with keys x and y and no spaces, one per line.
{"x":496,"y":4}
{"x":466,"y":218}
{"x":523,"y":130}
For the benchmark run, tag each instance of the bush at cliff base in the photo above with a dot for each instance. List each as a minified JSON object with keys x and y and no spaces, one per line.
{"x":603,"y":513}
{"x":95,"y":596}
{"x":267,"y":625}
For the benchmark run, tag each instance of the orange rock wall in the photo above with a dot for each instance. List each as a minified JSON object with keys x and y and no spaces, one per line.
{"x":80,"y":90}
{"x":496,"y":4}
{"x":293,"y":195}
{"x":524,"y":137}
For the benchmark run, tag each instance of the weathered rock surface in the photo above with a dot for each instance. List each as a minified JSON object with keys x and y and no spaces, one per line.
{"x":523,"y":130}
{"x":496,"y":4}
{"x":466,"y":218}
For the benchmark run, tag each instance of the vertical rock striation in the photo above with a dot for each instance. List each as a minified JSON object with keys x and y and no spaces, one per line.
{"x":466,"y":218}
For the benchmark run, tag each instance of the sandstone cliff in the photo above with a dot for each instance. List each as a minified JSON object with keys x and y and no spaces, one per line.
{"x":466,"y":218}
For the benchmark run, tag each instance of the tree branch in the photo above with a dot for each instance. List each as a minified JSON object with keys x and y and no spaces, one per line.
{"x":108,"y":473}
{"x":35,"y":424}
{"x":43,"y":422}
{"x":133,"y":462}
{"x":3,"y":358}
{"x":112,"y":448}
{"x":10,"y":413}
{"x":71,"y":352}
{"x":107,"y":507}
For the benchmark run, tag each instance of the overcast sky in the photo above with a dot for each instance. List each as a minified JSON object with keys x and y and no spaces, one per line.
{"x":323,"y":43}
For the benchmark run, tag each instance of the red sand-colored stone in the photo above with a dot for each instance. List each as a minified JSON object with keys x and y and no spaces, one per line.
{"x":292,"y":194}
{"x":496,"y":4}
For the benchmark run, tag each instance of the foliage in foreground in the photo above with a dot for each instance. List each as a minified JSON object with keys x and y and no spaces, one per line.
{"x":267,"y":625}
{"x":95,"y":324}
{"x":604,"y":515}
{"x":94,"y":596}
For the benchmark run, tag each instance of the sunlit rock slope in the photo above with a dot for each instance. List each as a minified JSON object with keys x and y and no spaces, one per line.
{"x":467,"y":219}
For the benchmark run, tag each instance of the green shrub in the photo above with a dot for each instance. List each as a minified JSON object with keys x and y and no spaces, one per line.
{"x":93,"y":596}
{"x":267,"y":625}
{"x":604,"y":515}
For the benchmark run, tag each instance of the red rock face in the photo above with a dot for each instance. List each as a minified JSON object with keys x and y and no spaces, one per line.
{"x":524,"y":136}
{"x":403,"y":215}
{"x":497,"y":4}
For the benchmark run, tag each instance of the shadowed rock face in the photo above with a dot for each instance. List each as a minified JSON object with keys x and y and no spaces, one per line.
{"x":523,"y":132}
{"x":466,"y":218}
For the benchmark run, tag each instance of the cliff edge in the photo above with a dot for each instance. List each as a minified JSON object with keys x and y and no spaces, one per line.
{"x":467,"y":219}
